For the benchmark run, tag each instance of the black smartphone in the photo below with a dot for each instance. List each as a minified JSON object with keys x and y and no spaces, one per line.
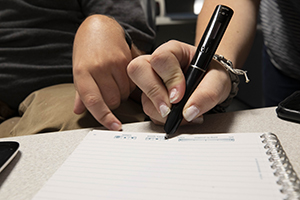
{"x":8,"y":150}
{"x":289,"y":108}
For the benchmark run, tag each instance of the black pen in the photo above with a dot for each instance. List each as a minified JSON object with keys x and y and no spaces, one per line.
{"x":197,"y":69}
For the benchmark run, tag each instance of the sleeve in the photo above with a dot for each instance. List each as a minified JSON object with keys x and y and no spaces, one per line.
{"x":130,"y":15}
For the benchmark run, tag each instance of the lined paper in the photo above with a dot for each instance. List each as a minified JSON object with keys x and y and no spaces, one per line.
{"x":131,"y":165}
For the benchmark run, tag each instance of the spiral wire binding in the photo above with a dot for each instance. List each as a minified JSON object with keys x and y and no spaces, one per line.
{"x":287,"y":177}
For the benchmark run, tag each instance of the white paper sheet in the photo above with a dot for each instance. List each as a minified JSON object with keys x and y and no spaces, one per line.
{"x":118,"y":165}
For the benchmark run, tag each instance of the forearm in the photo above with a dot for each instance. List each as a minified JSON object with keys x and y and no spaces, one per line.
{"x":238,"y":38}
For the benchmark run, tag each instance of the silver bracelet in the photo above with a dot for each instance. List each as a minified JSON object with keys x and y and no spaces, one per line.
{"x":233,"y":74}
{"x":229,"y":66}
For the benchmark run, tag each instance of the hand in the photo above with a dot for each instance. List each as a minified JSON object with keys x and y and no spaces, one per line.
{"x":100,"y":58}
{"x":161,"y":78}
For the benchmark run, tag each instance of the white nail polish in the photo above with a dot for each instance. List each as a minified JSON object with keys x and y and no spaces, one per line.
{"x":173,"y":95}
{"x":191,"y":113}
{"x":164,"y":110}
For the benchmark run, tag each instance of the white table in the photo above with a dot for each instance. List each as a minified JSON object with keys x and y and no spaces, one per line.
{"x":41,"y":155}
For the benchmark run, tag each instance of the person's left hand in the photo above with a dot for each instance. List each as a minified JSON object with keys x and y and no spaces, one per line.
{"x":100,"y":59}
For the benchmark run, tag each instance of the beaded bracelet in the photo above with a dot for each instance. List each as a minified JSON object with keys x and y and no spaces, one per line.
{"x":233,"y":74}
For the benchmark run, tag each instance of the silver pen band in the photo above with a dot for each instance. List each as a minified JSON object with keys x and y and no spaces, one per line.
{"x":198,"y":68}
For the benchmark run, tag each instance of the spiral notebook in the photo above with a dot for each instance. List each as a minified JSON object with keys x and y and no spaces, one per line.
{"x":134,"y":165}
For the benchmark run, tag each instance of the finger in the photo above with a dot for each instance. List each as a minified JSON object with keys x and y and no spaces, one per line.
{"x":150,"y":110}
{"x":108,"y":90}
{"x":115,"y":67}
{"x":155,"y":117}
{"x":125,"y":85}
{"x":106,"y":82}
{"x":168,"y":61}
{"x":79,"y":107}
{"x":212,"y":90}
{"x":142,"y":74}
{"x":93,"y":101}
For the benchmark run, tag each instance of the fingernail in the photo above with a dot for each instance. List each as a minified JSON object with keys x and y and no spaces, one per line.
{"x":164,"y":110}
{"x":190,"y":113}
{"x":173,"y":95}
{"x":116,"y":126}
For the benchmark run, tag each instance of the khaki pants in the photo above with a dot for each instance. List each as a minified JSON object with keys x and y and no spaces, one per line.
{"x":51,"y":109}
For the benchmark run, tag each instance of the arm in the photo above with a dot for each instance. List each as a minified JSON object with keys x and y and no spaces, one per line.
{"x":238,"y":38}
{"x":235,"y":46}
{"x":100,"y":57}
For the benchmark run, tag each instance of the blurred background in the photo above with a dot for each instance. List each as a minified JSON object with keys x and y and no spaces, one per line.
{"x":176,"y":19}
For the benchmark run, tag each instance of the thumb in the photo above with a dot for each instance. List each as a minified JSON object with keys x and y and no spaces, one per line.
{"x":169,"y":61}
{"x":212,"y":90}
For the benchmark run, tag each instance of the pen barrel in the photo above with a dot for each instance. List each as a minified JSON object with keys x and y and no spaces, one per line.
{"x":193,"y":77}
{"x":212,"y":36}
{"x":200,"y":62}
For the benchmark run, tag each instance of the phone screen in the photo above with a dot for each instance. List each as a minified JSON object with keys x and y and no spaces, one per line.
{"x":8,"y":150}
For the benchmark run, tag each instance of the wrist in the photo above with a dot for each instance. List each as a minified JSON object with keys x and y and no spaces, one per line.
{"x":135,"y":52}
{"x":233,"y":74}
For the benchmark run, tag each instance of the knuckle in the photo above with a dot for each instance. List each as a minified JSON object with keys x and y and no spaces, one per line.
{"x":172,"y":42}
{"x":213,"y":96}
{"x":153,"y":92}
{"x":160,"y":60}
{"x":118,"y":60}
{"x":134,"y":67}
{"x":91,"y":100}
{"x":84,"y":68}
{"x":104,"y":116}
{"x":78,"y":70}
{"x":156,"y":58}
{"x":175,"y":77}
{"x":124,"y":60}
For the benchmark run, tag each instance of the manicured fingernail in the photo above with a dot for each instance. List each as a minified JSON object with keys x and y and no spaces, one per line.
{"x":164,"y":110}
{"x":190,"y":113}
{"x":173,"y":95}
{"x":116,"y":126}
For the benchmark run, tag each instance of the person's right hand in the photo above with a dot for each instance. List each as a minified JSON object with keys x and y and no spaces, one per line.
{"x":161,"y":78}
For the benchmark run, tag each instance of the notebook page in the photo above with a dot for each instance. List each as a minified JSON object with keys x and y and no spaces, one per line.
{"x":118,"y":165}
